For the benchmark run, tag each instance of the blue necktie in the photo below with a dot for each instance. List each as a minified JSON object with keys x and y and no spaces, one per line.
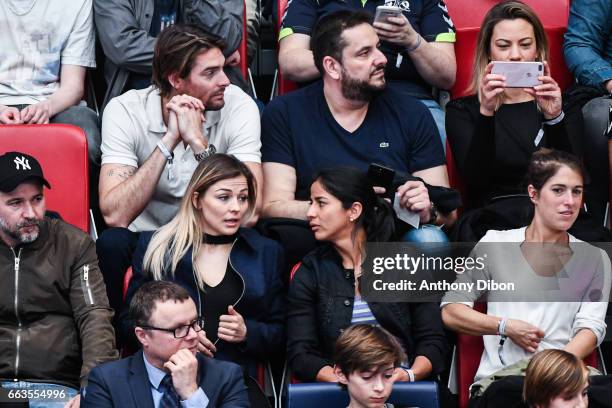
{"x":170,"y":398}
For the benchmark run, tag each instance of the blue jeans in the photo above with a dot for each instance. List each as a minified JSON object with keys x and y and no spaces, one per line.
{"x":438,"y":115}
{"x":425,"y":233}
{"x":60,"y":394}
{"x":87,"y":120}
{"x":588,"y":46}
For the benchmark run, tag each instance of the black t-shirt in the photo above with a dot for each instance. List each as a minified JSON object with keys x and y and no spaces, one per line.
{"x":299,"y":130}
{"x":429,"y":18}
{"x":216,"y":299}
{"x":165,"y":14}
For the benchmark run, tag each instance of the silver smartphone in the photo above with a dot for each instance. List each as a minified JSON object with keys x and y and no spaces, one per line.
{"x":384,"y":12}
{"x":519,"y":74}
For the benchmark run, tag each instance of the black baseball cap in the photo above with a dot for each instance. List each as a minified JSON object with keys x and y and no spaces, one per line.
{"x":16,"y":167}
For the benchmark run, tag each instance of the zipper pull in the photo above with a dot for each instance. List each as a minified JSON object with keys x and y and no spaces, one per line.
{"x":17,"y":264}
{"x":85,"y":273}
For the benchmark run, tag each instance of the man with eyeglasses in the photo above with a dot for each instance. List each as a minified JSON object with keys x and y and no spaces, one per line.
{"x":169,"y":371}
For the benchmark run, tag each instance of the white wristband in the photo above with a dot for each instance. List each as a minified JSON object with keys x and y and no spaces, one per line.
{"x":410,"y":373}
{"x":169,"y":157}
{"x":556,"y":120}
{"x":501,"y":327}
{"x":164,"y":150}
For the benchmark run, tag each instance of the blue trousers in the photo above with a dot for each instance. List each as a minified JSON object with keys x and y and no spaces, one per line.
{"x":425,"y":233}
{"x":59,"y":394}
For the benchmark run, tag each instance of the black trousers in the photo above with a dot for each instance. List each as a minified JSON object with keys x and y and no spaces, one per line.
{"x":115,"y":247}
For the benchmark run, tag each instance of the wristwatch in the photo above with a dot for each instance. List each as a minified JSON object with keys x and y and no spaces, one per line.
{"x":209,"y":151}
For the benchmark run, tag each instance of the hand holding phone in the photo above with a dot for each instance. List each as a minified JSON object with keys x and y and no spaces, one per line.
{"x":519,"y":74}
{"x":384,"y":12}
{"x":547,"y":95}
{"x":398,"y":32}
{"x":382,"y":176}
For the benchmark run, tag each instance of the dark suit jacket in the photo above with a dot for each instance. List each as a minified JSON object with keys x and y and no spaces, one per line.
{"x":125,"y":384}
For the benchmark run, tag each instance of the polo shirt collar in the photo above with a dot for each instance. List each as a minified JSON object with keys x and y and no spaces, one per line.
{"x":154,"y":111}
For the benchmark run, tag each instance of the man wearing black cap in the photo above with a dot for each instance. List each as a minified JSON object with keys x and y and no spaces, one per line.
{"x":55,"y":322}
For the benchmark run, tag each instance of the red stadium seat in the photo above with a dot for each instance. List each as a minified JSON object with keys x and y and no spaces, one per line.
{"x":284,"y":86}
{"x":126,"y":281}
{"x":468,"y":354}
{"x":242,"y":48}
{"x":62,"y":153}
{"x":467,"y":17}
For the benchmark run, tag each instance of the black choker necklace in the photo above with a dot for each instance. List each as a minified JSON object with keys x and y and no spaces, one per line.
{"x":219,"y":239}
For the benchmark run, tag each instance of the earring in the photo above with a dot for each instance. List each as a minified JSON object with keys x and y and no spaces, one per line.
{"x":351,"y":219}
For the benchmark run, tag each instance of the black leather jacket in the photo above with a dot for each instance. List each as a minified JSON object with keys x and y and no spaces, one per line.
{"x":320,"y":307}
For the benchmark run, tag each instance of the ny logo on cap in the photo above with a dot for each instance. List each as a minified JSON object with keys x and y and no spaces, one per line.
{"x":23,"y":162}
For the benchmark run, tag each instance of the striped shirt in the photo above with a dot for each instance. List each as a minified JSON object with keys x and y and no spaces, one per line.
{"x":362,"y":313}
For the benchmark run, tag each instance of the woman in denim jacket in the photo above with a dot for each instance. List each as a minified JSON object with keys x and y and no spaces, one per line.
{"x":588,"y":43}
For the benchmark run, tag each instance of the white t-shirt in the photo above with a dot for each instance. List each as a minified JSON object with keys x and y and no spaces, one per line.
{"x":560,"y":321}
{"x":37,"y":37}
{"x":133,"y":124}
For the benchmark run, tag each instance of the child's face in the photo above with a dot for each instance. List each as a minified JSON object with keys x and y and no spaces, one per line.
{"x":369,"y":389}
{"x":578,"y":400}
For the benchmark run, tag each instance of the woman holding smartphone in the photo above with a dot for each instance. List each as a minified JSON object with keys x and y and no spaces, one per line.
{"x":493,"y":132}
{"x":325,"y":296}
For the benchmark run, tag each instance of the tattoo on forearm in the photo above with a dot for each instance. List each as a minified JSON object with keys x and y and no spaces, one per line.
{"x":124,"y":172}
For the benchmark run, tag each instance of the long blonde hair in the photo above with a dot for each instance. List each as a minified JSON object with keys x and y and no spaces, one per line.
{"x":172,"y":241}
{"x":508,"y":10}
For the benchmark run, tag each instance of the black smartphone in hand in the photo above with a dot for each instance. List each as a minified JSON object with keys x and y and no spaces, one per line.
{"x":382,"y":176}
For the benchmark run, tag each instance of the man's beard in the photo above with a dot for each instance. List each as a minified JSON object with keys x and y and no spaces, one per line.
{"x":358,"y":90}
{"x":21,"y":237}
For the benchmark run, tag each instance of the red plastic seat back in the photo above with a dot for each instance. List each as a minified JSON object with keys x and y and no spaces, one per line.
{"x":127,"y":277}
{"x":284,"y":85}
{"x":469,"y":350}
{"x":62,"y":153}
{"x":242,"y":48}
{"x":468,"y":16}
